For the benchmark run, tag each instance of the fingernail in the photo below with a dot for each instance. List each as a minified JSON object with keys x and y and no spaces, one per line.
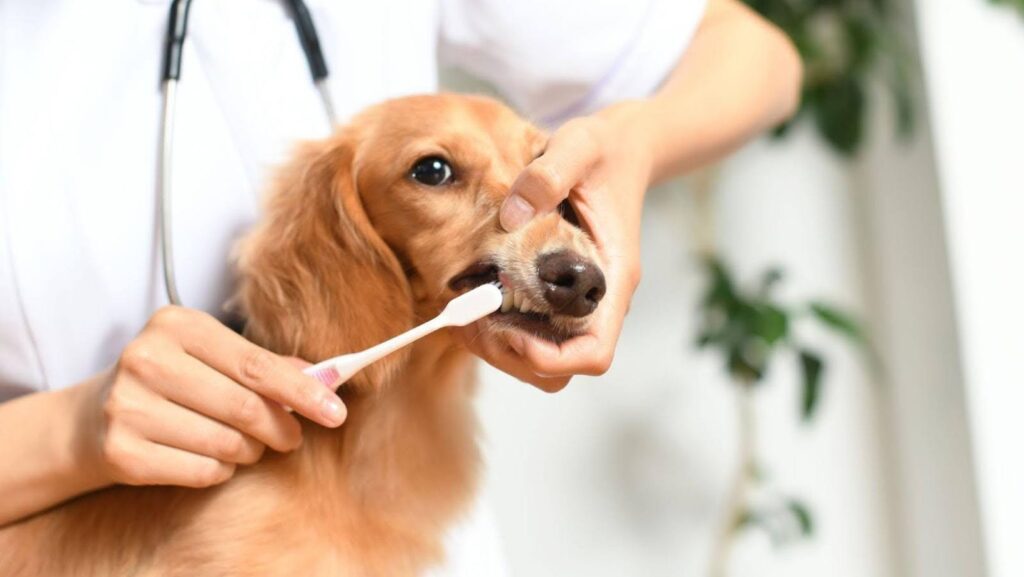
{"x":332,"y":410}
{"x":515,"y":212}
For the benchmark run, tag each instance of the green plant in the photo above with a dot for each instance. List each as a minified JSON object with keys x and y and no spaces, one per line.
{"x":751,"y":329}
{"x":1018,"y":3}
{"x":846,"y":47}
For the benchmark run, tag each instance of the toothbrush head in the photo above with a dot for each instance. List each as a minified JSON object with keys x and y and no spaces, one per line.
{"x":473,"y":305}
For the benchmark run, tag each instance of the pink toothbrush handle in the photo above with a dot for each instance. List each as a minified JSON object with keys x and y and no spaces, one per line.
{"x":332,"y":373}
{"x":326,"y":375}
{"x":329,"y":373}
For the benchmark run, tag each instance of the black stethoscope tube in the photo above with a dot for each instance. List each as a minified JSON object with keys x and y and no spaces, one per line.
{"x":309,"y":39}
{"x":174,"y":44}
{"x":177,"y":29}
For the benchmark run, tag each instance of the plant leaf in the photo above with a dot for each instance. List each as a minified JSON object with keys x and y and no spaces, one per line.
{"x":721,"y":289}
{"x":765,"y":521}
{"x":1018,"y":3}
{"x":781,"y":130}
{"x":840,"y":67}
{"x":811,"y":367}
{"x":705,"y":338}
{"x":779,"y":522}
{"x":743,"y":366}
{"x":845,"y":325}
{"x":769,"y":279}
{"x":747,"y":519}
{"x":803,"y":517}
{"x":772,"y":323}
{"x":861,"y":42}
{"x":717,"y":308}
{"x":840,"y":113}
{"x":905,"y":117}
{"x":839,"y":321}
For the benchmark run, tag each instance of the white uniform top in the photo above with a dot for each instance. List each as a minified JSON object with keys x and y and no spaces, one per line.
{"x":79,"y":116}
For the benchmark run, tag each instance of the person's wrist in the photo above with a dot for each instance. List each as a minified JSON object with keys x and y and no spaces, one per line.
{"x":633,"y":124}
{"x":77,"y":450}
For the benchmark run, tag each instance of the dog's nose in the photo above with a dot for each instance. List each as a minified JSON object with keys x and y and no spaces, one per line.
{"x":572,"y":284}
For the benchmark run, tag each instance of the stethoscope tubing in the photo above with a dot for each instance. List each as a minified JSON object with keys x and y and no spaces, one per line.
{"x":174,"y":43}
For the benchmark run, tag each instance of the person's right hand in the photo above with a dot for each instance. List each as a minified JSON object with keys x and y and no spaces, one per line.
{"x":189,"y":400}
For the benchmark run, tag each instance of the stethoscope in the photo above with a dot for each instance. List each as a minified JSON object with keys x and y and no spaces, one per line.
{"x":174,"y":43}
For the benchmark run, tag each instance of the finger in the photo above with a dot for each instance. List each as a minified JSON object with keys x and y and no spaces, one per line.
{"x":198,"y":387}
{"x":298,"y":363}
{"x":503,"y":358}
{"x":148,"y":463}
{"x":256,"y":368}
{"x":175,"y":426}
{"x":497,"y":353}
{"x":583,"y":355}
{"x":588,"y":354}
{"x":571,"y":153}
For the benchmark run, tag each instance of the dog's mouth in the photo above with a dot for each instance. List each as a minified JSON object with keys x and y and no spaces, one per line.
{"x":474,"y":275}
{"x":521,"y":309}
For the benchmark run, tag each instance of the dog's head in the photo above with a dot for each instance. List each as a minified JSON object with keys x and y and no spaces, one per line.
{"x":379,"y":226}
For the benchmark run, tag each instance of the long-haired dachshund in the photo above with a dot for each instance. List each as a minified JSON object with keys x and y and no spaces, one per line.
{"x":365,"y":234}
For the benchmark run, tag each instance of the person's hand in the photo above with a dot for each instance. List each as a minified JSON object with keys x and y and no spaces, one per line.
{"x":189,"y":400}
{"x":602,"y":164}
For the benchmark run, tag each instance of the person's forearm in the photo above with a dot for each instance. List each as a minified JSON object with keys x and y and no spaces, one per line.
{"x":41,"y":462}
{"x":740,"y":76}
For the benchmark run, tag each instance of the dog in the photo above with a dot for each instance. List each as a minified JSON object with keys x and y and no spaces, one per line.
{"x":365,"y":234}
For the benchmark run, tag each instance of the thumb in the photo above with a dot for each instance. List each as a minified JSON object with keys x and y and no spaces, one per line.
{"x":298,"y":363}
{"x":546,"y":182}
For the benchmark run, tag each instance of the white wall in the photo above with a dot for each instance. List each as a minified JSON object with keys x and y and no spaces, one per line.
{"x":911,"y":302}
{"x":973,"y":56}
{"x":625,"y":474}
{"x":911,"y":305}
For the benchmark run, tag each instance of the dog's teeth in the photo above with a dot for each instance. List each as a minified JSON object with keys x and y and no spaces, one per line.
{"x":506,"y":300}
{"x":517,"y":299}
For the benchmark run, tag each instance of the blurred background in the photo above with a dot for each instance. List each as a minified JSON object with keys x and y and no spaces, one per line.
{"x":897,"y":198}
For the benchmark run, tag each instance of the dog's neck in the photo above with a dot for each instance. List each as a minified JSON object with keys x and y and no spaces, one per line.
{"x":436,"y":360}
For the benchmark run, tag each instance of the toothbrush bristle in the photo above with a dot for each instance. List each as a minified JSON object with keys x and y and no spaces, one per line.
{"x":327,"y":375}
{"x":473,"y":305}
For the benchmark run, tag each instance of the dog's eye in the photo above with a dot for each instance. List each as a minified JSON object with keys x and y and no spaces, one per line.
{"x":432,"y":171}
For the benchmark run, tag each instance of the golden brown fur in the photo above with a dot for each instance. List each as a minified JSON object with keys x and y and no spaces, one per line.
{"x":350,"y":252}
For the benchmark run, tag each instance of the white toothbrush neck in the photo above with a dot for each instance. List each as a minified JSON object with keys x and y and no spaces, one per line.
{"x":336,"y":371}
{"x":391,"y":345}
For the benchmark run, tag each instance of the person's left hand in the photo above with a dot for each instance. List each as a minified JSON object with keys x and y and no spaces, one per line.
{"x":602,"y":164}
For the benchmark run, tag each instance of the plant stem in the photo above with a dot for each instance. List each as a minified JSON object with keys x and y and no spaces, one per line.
{"x":704,"y":184}
{"x":738,"y":493}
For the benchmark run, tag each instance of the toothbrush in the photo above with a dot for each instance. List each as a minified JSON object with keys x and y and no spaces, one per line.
{"x":460,"y":311}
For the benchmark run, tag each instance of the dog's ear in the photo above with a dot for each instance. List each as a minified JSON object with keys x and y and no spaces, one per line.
{"x":316,"y":278}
